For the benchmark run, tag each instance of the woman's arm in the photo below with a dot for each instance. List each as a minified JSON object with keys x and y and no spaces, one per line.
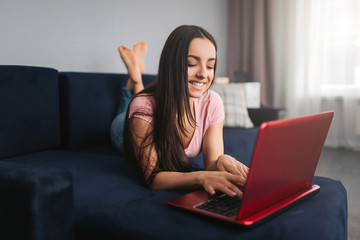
{"x":211,"y":181}
{"x":213,"y":151}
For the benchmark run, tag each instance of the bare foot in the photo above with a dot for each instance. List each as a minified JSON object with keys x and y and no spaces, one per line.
{"x":140,"y":49}
{"x":134,"y":67}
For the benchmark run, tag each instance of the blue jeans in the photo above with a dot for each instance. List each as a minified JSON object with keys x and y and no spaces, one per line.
{"x":117,"y":125}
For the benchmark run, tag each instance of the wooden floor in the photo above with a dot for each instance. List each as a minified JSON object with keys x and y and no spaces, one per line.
{"x":344,"y":165}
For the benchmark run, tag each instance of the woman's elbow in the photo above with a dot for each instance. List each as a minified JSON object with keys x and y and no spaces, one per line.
{"x":153,"y":184}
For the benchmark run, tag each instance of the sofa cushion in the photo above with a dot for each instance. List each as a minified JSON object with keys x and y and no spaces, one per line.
{"x":36,"y":202}
{"x":88,"y":105}
{"x":29,"y":109}
{"x":236,"y":112}
{"x":238,"y":142}
{"x":111,"y":202}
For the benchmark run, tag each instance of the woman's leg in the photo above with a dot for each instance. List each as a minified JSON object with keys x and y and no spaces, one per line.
{"x":117,"y":125}
{"x":134,"y":62}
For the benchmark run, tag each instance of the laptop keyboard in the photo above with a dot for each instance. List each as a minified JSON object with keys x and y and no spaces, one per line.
{"x":223,"y":205}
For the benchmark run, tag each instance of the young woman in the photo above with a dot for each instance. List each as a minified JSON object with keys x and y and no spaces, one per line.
{"x":177,"y":116}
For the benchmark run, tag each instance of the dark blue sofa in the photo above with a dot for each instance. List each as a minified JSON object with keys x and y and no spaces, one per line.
{"x":60,"y":178}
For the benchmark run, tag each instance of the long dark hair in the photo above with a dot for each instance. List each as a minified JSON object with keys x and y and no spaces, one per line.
{"x":171,"y":94}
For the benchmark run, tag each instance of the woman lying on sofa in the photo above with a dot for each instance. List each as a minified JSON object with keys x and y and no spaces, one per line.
{"x":175,"y":118}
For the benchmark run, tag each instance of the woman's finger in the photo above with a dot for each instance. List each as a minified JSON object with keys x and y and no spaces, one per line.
{"x":244,"y":170}
{"x":231,"y":190}
{"x":210,"y":190}
{"x":238,"y":180}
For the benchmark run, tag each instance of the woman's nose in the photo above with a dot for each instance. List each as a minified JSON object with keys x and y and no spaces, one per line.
{"x":201,"y":73}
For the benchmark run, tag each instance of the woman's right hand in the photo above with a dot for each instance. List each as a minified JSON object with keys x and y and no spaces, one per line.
{"x":225,"y":182}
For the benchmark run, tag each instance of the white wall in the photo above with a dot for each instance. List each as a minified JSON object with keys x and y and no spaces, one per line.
{"x":83,"y":35}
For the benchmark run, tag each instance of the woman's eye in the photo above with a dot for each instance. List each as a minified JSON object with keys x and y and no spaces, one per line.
{"x":210,"y":67}
{"x":191,"y":65}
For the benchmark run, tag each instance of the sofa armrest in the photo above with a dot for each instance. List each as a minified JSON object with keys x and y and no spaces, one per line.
{"x":263,"y":114}
{"x":35,"y":202}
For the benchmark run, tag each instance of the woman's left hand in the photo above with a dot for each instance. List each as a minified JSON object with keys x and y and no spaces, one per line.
{"x":229,"y":164}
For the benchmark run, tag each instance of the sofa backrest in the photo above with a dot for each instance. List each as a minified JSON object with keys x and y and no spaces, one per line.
{"x":29,"y":109}
{"x":88,"y":104}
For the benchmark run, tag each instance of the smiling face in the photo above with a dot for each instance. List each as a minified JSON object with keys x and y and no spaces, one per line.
{"x":201,"y":62}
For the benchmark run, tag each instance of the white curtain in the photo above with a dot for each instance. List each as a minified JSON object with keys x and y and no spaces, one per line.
{"x":317,"y":63}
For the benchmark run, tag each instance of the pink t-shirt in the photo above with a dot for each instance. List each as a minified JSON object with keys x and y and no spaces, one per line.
{"x":208,"y":111}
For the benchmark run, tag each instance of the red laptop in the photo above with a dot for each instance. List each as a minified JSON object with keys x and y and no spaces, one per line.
{"x":281,"y":172}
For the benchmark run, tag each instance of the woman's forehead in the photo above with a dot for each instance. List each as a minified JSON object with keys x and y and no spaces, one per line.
{"x":202,"y":47}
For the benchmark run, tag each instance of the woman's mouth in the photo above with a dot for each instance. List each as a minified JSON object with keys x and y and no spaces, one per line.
{"x":198,"y":84}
